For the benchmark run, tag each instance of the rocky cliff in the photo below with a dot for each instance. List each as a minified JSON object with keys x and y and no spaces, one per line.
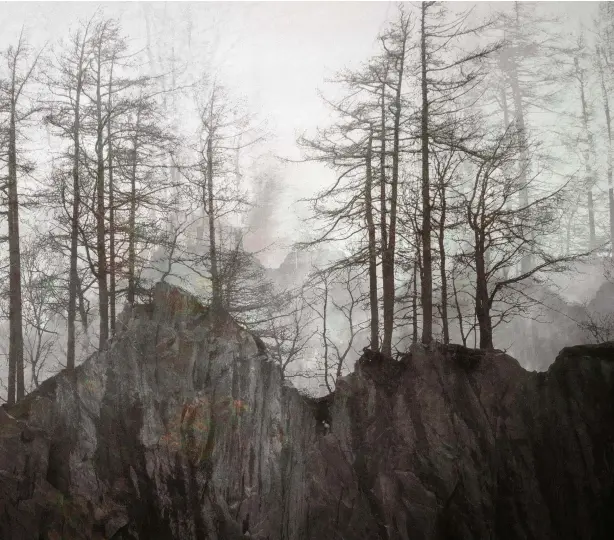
{"x":183,"y":430}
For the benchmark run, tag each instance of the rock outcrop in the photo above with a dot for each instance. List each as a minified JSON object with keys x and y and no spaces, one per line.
{"x":183,"y":430}
{"x":468,"y":445}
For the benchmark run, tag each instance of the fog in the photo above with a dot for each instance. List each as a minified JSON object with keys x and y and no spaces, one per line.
{"x":253,"y":138}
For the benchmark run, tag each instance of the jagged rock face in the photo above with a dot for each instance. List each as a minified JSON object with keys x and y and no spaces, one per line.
{"x":176,"y":432}
{"x":183,"y":430}
{"x":458,"y":449}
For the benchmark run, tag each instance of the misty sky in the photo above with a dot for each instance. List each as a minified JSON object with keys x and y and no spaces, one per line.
{"x":277,"y":55}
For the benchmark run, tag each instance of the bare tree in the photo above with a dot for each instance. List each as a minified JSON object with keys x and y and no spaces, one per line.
{"x":141,"y":183}
{"x":501,"y":233}
{"x":43,"y":305}
{"x":214,"y":181}
{"x":446,"y":165}
{"x":66,"y":89}
{"x":363,"y":146}
{"x":19,"y":109}
{"x":117,"y":182}
{"x":336,"y":303}
{"x":289,"y":332}
{"x":372,"y":246}
{"x":531,"y":78}
{"x":445,"y":77}
{"x":588,"y":160}
{"x":396,"y":44}
{"x":603,"y":59}
{"x":105,"y":45}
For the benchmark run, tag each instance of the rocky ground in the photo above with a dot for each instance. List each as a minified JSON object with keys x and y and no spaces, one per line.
{"x":184,"y":430}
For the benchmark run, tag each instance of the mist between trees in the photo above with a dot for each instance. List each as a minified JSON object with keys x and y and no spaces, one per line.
{"x":473,"y":179}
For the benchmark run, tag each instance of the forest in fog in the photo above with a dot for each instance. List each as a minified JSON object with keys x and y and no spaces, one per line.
{"x":458,"y":188}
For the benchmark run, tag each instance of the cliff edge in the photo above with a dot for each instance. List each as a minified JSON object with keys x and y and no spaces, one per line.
{"x":184,"y":430}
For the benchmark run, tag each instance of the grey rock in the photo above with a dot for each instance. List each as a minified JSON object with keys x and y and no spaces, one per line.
{"x":182,"y":429}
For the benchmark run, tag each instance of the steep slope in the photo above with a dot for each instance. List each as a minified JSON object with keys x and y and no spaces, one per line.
{"x":175,"y":432}
{"x":183,"y":430}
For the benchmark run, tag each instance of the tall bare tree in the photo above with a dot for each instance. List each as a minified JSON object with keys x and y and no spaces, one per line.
{"x":588,"y":143}
{"x":445,"y":77}
{"x":396,"y":44}
{"x":532,"y":79}
{"x":65,"y":115}
{"x":364,"y":146}
{"x":20,"y":65}
{"x":337,"y":296}
{"x":604,"y":62}
{"x":501,"y":233}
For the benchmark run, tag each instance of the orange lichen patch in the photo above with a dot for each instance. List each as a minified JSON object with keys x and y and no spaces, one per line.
{"x":190,"y":410}
{"x":239,"y":406}
{"x":170,"y":440}
{"x":195,"y":418}
{"x":201,"y":427}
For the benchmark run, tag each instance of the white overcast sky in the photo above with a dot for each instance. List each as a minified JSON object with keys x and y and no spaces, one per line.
{"x":276,"y":54}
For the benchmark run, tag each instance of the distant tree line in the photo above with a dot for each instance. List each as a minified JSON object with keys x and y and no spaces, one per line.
{"x":447,"y":196}
{"x":451,"y":201}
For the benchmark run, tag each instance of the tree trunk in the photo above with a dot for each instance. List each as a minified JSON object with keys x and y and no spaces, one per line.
{"x":389,"y":252}
{"x":103,"y":295}
{"x":382,"y":173}
{"x":74,"y":234}
{"x":216,"y":289}
{"x":16,"y":366}
{"x":592,"y":239}
{"x":485,"y":325}
{"x":373,"y":303}
{"x":325,"y":335}
{"x":132,"y":214}
{"x":482,"y":302}
{"x":73,"y":275}
{"x":459,"y":312}
{"x":131,"y":232}
{"x":81,"y":301}
{"x":444,"y":279}
{"x":427,"y":264}
{"x":608,"y":120}
{"x":112,"y":285}
{"x":527,"y":261}
{"x":506,"y":110}
{"x":570,"y":221}
{"x":414,"y":299}
{"x":383,"y":201}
